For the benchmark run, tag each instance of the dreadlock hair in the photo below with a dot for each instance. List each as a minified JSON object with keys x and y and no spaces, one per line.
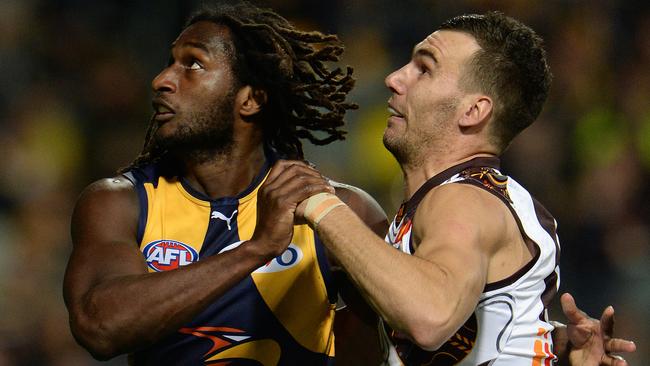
{"x":303,"y":95}
{"x":510,"y":66}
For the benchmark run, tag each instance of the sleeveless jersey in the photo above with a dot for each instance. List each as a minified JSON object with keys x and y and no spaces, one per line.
{"x":510,"y":323}
{"x":281,"y":314}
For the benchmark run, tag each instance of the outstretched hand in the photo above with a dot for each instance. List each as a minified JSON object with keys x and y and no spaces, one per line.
{"x":592,"y":340}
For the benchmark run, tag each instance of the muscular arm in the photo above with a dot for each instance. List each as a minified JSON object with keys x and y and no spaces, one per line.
{"x":428,"y":295}
{"x":115,"y":305}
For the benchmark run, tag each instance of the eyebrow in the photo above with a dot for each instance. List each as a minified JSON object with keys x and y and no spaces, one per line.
{"x":424,"y":52}
{"x":194,"y":44}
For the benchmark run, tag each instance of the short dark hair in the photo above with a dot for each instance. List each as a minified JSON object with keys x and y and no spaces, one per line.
{"x":510,"y":67}
{"x":303,"y":95}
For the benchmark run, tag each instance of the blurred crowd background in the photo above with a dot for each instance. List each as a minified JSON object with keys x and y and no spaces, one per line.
{"x":75,"y":101}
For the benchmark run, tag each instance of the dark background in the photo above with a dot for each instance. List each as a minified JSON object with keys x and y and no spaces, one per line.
{"x":75,"y":101}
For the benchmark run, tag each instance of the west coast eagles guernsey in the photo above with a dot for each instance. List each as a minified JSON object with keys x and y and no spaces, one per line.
{"x":509,"y":326}
{"x":281,"y":314}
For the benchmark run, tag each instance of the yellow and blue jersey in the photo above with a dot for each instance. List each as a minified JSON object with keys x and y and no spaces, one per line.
{"x":281,"y":314}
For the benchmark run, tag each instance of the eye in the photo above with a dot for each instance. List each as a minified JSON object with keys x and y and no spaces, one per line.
{"x":423,"y":69}
{"x":195,"y":65}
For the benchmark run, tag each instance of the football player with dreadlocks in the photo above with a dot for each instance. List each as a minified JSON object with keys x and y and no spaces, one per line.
{"x":180,"y":259}
{"x":185,"y":256}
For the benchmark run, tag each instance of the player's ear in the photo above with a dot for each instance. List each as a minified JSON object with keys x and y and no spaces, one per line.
{"x":250,"y":100}
{"x":477,"y":112}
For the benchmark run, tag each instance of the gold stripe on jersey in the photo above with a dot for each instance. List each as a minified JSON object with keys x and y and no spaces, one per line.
{"x":299,"y":287}
{"x":183,"y":215}
{"x":264,"y":351}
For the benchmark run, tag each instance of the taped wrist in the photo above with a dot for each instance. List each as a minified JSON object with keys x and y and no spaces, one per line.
{"x":319,"y":205}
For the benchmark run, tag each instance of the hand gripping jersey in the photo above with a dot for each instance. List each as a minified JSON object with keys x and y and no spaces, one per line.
{"x":281,"y":314}
{"x":509,"y":326}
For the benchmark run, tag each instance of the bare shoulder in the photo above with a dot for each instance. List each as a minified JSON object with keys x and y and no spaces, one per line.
{"x":116,"y":190}
{"x":109,"y":202}
{"x":118,"y":185}
{"x":461,"y":213}
{"x":363,"y":205}
{"x":104,"y":225}
{"x":461,"y":198}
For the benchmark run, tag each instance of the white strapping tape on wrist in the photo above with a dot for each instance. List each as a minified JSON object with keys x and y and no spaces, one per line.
{"x":319,"y":205}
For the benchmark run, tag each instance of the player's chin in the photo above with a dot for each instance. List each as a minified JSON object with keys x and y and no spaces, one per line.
{"x":392,"y":138}
{"x":167,"y":129}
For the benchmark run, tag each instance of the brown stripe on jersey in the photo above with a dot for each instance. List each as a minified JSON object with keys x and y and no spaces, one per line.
{"x":533,"y":248}
{"x":513,"y":277}
{"x":530,"y":244}
{"x":436,"y":180}
{"x":550,"y":289}
{"x":548,"y":224}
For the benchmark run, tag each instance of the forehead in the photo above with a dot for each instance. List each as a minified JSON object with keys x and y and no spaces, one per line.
{"x":449,"y":44}
{"x":209,"y":36}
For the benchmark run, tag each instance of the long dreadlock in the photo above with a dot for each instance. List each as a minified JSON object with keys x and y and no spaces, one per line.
{"x":304,"y":96}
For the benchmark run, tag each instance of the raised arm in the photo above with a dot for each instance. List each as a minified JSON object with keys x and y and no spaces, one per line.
{"x":116,"y":306}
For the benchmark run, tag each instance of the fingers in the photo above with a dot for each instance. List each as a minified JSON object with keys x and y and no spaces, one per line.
{"x":613,"y":345}
{"x":287,"y":170}
{"x":612,"y":360}
{"x":282,"y":165}
{"x":607,"y":321}
{"x":278,"y":168}
{"x":618,"y":345}
{"x":297,"y":179}
{"x":571,"y":311}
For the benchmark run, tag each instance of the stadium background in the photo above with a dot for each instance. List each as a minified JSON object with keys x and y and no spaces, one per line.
{"x":74,"y":104}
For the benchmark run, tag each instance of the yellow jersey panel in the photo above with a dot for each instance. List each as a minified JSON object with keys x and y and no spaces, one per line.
{"x":189,"y":224}
{"x":281,"y":314}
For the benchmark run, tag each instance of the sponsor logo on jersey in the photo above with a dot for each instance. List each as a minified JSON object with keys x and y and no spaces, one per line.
{"x":165,"y":255}
{"x":220,"y":216}
{"x":289,"y":258}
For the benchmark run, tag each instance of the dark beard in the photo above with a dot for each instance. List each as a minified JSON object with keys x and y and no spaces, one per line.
{"x":205,"y":135}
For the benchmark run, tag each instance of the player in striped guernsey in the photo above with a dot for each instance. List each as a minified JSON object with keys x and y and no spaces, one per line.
{"x":192,"y":256}
{"x":182,"y":259}
{"x":473,"y":258}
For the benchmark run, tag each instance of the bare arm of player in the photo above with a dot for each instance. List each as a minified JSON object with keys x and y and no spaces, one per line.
{"x":428,"y":295}
{"x":116,"y":306}
{"x":355,"y":326}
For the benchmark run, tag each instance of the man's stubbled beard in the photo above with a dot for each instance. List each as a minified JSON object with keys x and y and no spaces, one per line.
{"x":204,"y":136}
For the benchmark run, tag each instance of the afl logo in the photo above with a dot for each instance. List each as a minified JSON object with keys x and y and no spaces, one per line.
{"x":165,"y":255}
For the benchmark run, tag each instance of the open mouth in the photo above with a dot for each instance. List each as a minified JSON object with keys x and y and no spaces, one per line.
{"x":394,"y":112}
{"x":162,"y":111}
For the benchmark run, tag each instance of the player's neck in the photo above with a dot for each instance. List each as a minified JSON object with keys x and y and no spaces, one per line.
{"x":416,"y":176}
{"x":226,"y":174}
